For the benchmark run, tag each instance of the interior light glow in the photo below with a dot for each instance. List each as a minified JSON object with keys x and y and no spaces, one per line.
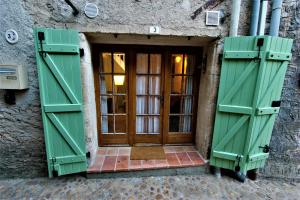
{"x":119,"y":79}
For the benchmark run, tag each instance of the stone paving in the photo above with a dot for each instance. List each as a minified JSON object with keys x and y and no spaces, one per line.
{"x":204,"y":186}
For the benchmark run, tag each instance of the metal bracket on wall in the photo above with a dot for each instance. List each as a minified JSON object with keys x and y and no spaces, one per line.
{"x":10,"y":97}
{"x":75,"y":10}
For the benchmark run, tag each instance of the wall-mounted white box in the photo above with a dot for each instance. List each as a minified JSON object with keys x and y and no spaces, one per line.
{"x":212,"y":18}
{"x":13,"y":77}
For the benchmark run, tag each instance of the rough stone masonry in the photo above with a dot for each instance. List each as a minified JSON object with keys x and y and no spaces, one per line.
{"x":22,"y":151}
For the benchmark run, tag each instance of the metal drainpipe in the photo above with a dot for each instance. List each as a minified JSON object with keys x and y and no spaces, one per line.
{"x":254,"y":17}
{"x":263,"y":15}
{"x":235,"y":15}
{"x":275,"y":17}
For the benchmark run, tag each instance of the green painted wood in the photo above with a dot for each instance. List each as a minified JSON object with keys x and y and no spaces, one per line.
{"x":63,"y":108}
{"x":271,"y":55}
{"x":235,"y":109}
{"x":240,"y":54}
{"x":59,"y":48}
{"x":225,"y":155}
{"x":251,"y":78}
{"x":58,"y":63}
{"x":267,"y":110}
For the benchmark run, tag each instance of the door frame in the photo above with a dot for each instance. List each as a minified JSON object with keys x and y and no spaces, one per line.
{"x":130,"y":52}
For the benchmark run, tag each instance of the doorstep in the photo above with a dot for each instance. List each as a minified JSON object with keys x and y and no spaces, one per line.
{"x":112,"y":160}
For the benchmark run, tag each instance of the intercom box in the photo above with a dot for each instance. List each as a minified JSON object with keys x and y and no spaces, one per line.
{"x":13,"y":77}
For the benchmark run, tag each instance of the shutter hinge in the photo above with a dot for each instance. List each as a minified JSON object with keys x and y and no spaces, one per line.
{"x":260,"y":42}
{"x":54,"y":171}
{"x":88,"y":154}
{"x":81,"y":52}
{"x":237,"y":167}
{"x":41,"y":36}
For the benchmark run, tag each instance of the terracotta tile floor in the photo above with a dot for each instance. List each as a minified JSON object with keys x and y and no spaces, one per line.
{"x":114,"y":159}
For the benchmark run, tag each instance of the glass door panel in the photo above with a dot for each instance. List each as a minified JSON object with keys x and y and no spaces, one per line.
{"x":148,"y":94}
{"x":181,"y":94}
{"x":113,"y":96}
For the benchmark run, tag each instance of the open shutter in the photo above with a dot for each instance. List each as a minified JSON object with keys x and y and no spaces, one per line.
{"x":58,"y":62}
{"x":252,"y":75}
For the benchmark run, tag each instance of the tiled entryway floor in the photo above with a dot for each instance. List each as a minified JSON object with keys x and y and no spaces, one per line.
{"x":115,"y":159}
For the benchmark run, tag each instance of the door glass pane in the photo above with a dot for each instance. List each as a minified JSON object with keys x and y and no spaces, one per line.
{"x":106,"y":84}
{"x":177,"y":63}
{"x":186,"y":124}
{"x":154,"y":85}
{"x":180,"y":123}
{"x":174,"y":123}
{"x":188,"y":85}
{"x":142,"y":63}
{"x":107,"y":124}
{"x":153,"y":125}
{"x":141,"y":84}
{"x":155,"y":63}
{"x":106,"y":103}
{"x":120,"y":84}
{"x":119,"y":63}
{"x":120,"y":123}
{"x":141,"y":124}
{"x":175,"y":104}
{"x":113,"y":93}
{"x":153,"y":105}
{"x":187,"y":105}
{"x":141,"y":105}
{"x":176,"y":85}
{"x":120,"y":104}
{"x":106,"y":67}
{"x":190,"y":64}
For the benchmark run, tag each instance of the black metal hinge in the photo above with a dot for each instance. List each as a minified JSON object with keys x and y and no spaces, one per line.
{"x":237,"y":167}
{"x":260,"y":42}
{"x":81,"y":52}
{"x":41,"y":35}
{"x":266,"y":148}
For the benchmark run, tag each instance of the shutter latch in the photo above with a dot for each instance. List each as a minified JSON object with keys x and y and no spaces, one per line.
{"x":266,"y":148}
{"x":81,"y":52}
{"x":276,"y":103}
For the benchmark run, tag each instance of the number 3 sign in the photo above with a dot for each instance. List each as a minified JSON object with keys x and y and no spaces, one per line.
{"x":11,"y":36}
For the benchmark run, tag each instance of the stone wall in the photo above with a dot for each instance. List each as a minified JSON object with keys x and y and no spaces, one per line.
{"x":284,"y":160}
{"x":22,"y":151}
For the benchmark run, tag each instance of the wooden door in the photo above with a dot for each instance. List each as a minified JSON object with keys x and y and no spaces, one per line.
{"x":181,"y":94}
{"x":111,"y":81}
{"x":147,"y":98}
{"x":158,"y":95}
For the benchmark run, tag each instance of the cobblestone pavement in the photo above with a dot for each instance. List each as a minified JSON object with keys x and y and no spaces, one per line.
{"x":203,"y":186}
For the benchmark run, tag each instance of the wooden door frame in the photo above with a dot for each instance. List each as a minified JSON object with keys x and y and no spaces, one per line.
{"x":130,"y":52}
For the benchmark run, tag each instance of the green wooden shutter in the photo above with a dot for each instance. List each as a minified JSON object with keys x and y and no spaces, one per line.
{"x":252,"y":75}
{"x":58,"y":61}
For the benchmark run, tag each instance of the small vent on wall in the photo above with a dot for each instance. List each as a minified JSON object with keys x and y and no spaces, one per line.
{"x":91,"y":10}
{"x":212,"y":18}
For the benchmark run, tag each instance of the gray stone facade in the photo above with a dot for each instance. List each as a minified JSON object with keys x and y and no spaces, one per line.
{"x":22,"y":151}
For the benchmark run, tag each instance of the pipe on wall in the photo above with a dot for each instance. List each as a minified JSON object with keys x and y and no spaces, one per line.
{"x":263,"y":15}
{"x":275,"y":17}
{"x":235,"y":16}
{"x":254,"y":17}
